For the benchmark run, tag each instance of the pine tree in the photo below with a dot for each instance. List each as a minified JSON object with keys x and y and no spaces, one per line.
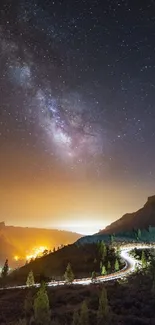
{"x":136,"y":268}
{"x":116,"y":265}
{"x":69,"y":276}
{"x":75,"y":318}
{"x":139,"y":234}
{"x":109,"y":266}
{"x":112,"y":238}
{"x":41,"y":307}
{"x":103,"y":309}
{"x":30,"y":279}
{"x":105,"y":250}
{"x":84,"y":315}
{"x":118,"y":251}
{"x":102,"y":249}
{"x":143,"y":259}
{"x":104,"y":271}
{"x":93,"y":276}
{"x":101,"y":266}
{"x":5,"y":269}
{"x":150,"y":229}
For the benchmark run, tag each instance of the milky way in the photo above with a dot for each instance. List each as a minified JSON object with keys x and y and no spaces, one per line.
{"x":78,"y":82}
{"x":69,"y":125}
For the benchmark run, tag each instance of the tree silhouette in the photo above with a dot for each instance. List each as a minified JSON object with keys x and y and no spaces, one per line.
{"x":30,"y":279}
{"x":104,"y":271}
{"x":150,"y":229}
{"x":139,"y":234}
{"x":93,"y":276}
{"x":116,"y":265}
{"x":112,"y":238}
{"x":84,"y":315}
{"x":109,"y":266}
{"x":143,"y":259}
{"x":5,"y":269}
{"x":41,"y":307}
{"x":118,"y":251}
{"x":101,"y":266}
{"x":103,"y":309}
{"x":69,"y":276}
{"x":75,"y":318}
{"x":45,"y":252}
{"x":102,"y":249}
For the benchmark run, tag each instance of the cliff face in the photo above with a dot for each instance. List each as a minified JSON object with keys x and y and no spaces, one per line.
{"x":141,"y":219}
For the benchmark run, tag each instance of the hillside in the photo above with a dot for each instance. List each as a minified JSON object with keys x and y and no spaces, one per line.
{"x":21,"y":241}
{"x":131,"y":302}
{"x":84,"y":259}
{"x":54,"y":264}
{"x":140,"y":219}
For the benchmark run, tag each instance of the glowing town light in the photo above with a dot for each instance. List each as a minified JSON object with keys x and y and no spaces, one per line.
{"x":36,"y":252}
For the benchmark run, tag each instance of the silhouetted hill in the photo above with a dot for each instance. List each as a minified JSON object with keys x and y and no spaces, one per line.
{"x":21,"y":240}
{"x":140,"y":219}
{"x":83,"y":259}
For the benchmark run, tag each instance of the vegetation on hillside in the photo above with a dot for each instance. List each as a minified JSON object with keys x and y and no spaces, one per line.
{"x":84,"y":259}
{"x":129,"y":301}
{"x":134,"y":235}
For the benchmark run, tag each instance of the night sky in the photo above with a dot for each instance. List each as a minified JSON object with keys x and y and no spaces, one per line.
{"x":77,"y":111}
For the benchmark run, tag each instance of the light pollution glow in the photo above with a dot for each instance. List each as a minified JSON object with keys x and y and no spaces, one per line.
{"x":83,"y":208}
{"x":83,"y":227}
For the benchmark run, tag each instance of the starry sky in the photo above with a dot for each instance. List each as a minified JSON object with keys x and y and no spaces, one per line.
{"x":77,"y":111}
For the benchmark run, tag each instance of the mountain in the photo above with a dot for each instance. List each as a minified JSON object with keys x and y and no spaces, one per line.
{"x":141,"y":219}
{"x":82,"y":253}
{"x":20,"y":241}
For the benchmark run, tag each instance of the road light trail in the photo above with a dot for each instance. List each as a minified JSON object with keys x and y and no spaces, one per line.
{"x":130,"y":264}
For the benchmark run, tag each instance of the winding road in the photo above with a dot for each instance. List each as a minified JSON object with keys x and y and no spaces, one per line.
{"x":130,"y":264}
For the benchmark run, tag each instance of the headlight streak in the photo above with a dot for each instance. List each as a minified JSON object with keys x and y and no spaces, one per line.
{"x":129,"y":268}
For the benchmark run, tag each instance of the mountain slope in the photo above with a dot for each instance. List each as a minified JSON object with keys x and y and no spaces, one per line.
{"x":140,"y":219}
{"x":53,"y":265}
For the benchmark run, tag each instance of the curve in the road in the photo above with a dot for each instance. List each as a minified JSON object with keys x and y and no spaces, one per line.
{"x":130,"y":264}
